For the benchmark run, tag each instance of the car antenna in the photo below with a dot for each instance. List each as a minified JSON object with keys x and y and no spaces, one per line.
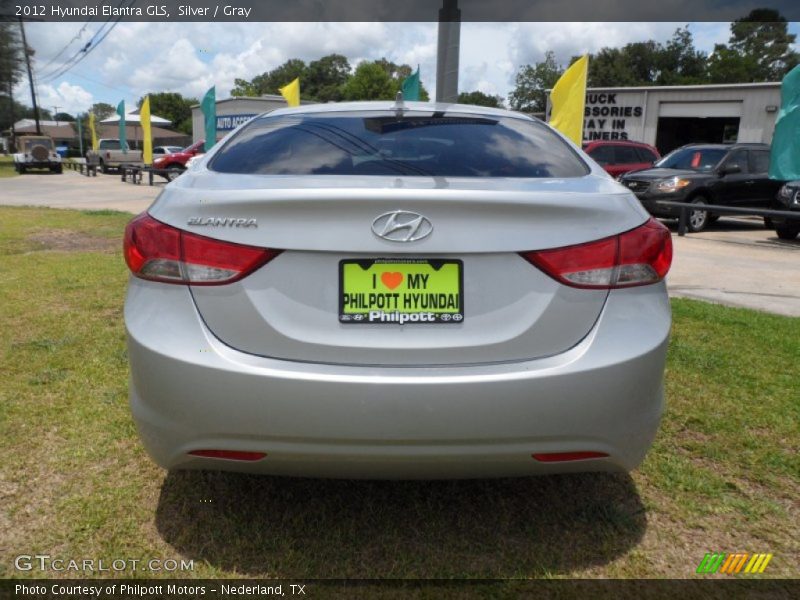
{"x":399,"y":105}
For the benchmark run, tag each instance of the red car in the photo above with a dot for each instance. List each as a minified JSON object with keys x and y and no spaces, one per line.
{"x":620,"y":157}
{"x":175,"y":163}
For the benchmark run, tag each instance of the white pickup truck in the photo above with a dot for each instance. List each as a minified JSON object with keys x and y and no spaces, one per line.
{"x":111,"y":155}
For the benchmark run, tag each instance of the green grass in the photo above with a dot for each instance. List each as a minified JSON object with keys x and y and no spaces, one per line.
{"x":723,"y":474}
{"x":7,"y":167}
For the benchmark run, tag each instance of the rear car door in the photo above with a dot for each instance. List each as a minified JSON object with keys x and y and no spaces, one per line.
{"x":763,"y":189}
{"x":735,"y":188}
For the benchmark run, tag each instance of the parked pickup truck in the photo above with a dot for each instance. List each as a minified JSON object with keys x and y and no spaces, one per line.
{"x":110,"y":155}
{"x":36,"y":152}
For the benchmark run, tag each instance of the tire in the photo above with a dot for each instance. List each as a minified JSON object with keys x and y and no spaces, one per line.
{"x":697,"y":220}
{"x":103,"y":168}
{"x":21,"y":170}
{"x":60,"y":169}
{"x":787,"y":232}
{"x":173,"y":172}
{"x":768,"y":223}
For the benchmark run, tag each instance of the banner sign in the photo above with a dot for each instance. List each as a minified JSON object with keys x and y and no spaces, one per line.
{"x":230,"y":122}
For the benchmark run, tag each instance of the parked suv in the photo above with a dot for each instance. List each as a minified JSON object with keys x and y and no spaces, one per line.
{"x":730,"y":175}
{"x":36,"y":152}
{"x":788,"y":198}
{"x":618,"y":158}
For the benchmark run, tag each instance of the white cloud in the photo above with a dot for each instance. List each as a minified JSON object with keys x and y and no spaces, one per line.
{"x":68,"y":98}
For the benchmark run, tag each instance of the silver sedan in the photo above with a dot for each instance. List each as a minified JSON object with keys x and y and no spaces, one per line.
{"x":397,"y":290}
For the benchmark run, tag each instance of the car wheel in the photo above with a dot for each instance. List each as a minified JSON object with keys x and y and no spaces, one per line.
{"x":698,"y":219}
{"x":768,"y":223}
{"x":787,"y":232}
{"x":21,"y":170}
{"x":173,"y":173}
{"x":103,"y":168}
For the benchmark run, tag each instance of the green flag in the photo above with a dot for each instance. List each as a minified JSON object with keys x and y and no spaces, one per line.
{"x":410,"y":87}
{"x":784,"y":162}
{"x":209,"y":108}
{"x":123,"y":142}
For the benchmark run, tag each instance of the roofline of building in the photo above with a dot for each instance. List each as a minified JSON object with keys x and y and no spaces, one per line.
{"x":702,"y":86}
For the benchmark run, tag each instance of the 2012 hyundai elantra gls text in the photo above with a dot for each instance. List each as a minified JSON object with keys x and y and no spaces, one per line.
{"x":397,"y":290}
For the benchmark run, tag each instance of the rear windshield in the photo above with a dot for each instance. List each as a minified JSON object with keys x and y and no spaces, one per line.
{"x":382,"y":143}
{"x":694,"y":159}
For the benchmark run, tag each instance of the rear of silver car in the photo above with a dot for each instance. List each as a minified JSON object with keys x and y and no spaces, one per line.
{"x":400,"y":316}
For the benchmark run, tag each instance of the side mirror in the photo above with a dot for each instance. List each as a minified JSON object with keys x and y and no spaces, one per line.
{"x":730,"y":169}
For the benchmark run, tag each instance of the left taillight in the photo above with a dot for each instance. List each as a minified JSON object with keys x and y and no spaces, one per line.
{"x":159,"y":252}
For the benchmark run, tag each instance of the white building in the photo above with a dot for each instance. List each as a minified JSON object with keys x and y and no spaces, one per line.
{"x":670,"y":116}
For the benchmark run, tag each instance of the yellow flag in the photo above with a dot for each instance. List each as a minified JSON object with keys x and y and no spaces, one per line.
{"x":144,"y":117}
{"x":568,"y":99}
{"x":291,"y":92}
{"x":93,"y":131}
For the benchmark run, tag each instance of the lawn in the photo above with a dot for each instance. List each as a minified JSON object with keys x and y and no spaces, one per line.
{"x":724,"y":474}
{"x":7,"y":167}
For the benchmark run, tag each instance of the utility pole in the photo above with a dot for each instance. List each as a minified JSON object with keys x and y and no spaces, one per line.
{"x":55,"y":112}
{"x":30,"y":77}
{"x":447,"y":52}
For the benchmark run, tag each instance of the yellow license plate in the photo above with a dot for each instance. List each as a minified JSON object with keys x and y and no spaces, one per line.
{"x":401,"y":292}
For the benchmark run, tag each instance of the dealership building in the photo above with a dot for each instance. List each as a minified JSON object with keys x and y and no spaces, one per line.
{"x":232,"y":112}
{"x":670,"y":116}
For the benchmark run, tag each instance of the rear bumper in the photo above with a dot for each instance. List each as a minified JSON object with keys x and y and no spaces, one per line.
{"x":189,"y":391}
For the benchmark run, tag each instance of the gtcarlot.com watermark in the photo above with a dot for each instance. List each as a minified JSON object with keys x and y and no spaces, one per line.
{"x":45,"y":562}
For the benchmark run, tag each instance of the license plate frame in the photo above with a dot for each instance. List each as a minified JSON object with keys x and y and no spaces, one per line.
{"x":445,"y":306}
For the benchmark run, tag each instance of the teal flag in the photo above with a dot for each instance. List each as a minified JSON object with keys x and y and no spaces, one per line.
{"x":410,"y":87}
{"x":123,"y":142}
{"x":209,"y":108}
{"x":784,"y":162}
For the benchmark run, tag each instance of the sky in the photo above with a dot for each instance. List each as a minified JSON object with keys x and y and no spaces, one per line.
{"x":137,"y":57}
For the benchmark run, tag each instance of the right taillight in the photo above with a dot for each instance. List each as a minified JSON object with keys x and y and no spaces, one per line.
{"x":160,"y":252}
{"x":640,"y":256}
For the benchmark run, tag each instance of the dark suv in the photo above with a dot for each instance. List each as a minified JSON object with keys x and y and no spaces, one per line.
{"x":731,"y":175}
{"x":788,"y":198}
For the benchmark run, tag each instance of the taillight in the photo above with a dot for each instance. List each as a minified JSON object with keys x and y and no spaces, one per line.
{"x":160,"y":252}
{"x":637,"y":257}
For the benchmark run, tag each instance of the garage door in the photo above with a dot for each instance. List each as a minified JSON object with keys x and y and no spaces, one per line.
{"x":700,"y":109}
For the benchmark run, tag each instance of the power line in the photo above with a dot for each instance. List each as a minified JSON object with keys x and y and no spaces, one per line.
{"x":89,"y":47}
{"x":68,"y":44}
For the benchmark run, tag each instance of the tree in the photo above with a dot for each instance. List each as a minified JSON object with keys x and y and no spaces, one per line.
{"x":271,"y":81}
{"x":324,"y":78}
{"x":480,"y":99}
{"x":11,"y":65}
{"x":681,"y":63}
{"x":531,"y":83}
{"x":63,"y":117}
{"x":172,"y":106}
{"x":371,"y":81}
{"x":102,"y":111}
{"x":759,"y":49}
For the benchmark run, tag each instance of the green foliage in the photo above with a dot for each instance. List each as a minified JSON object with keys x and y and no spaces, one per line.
{"x":62,"y":116}
{"x":759,"y":49}
{"x":270,"y":82}
{"x":102,"y":110}
{"x":371,"y":81}
{"x":327,"y":79}
{"x":172,"y":106}
{"x":532,"y":81}
{"x":480,"y":99}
